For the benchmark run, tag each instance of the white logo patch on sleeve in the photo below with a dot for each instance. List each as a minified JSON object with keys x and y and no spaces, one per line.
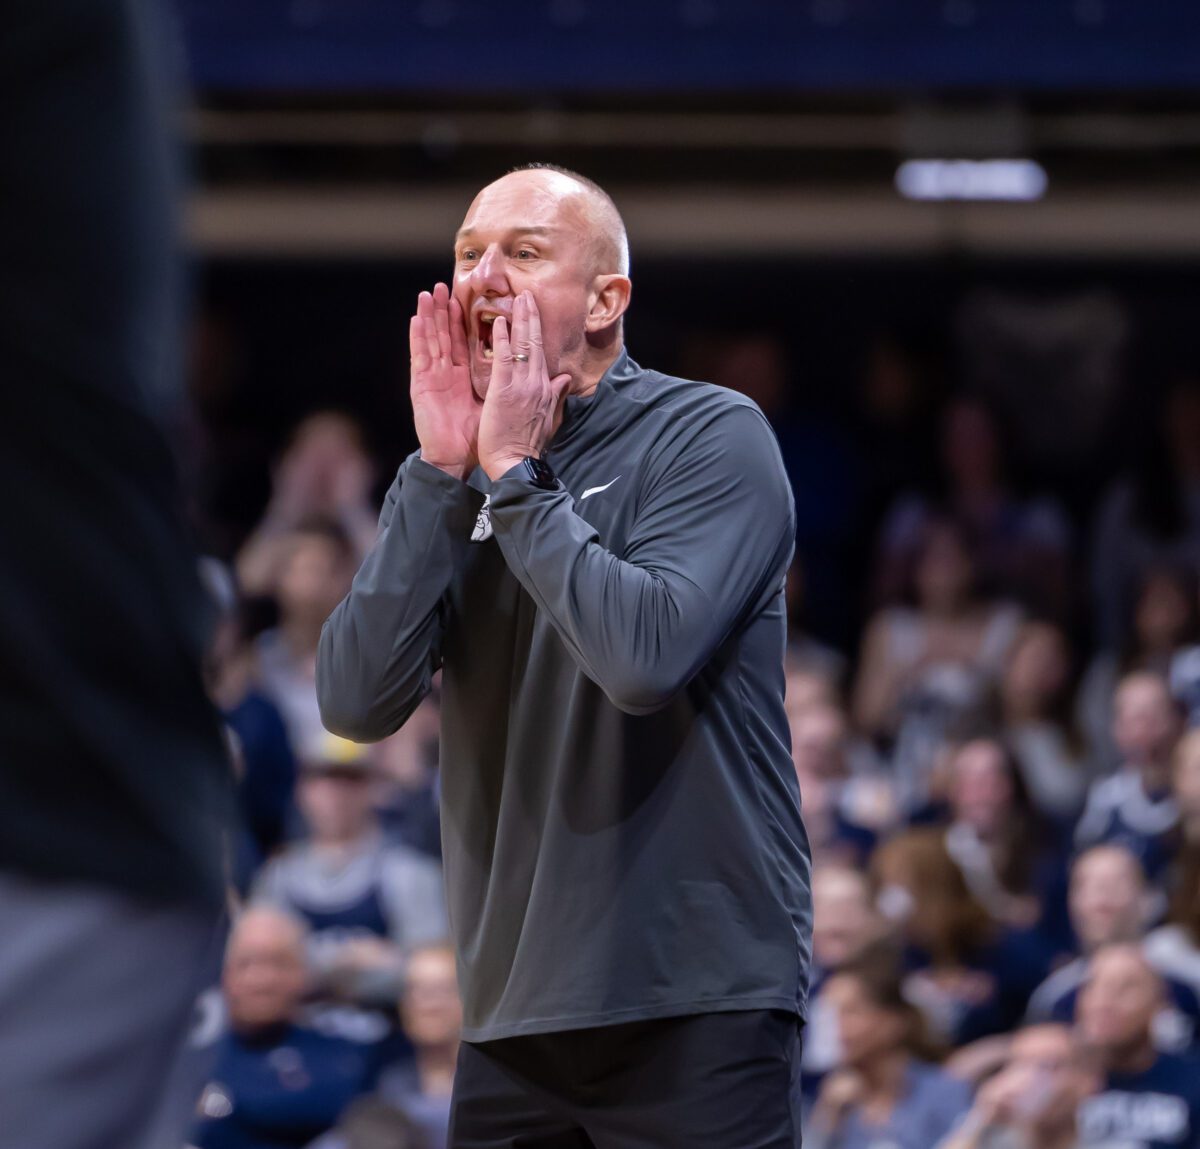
{"x":483,"y":523}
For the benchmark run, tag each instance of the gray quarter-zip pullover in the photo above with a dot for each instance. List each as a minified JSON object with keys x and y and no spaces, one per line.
{"x":620,"y":815}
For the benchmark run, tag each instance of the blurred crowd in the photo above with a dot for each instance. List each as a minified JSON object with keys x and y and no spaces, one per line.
{"x":1000,"y":777}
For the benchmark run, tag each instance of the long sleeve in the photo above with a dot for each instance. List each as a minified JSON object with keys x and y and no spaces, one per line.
{"x":714,"y":530}
{"x":381,"y":646}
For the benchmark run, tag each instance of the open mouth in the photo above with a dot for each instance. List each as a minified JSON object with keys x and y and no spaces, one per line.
{"x":486,"y":321}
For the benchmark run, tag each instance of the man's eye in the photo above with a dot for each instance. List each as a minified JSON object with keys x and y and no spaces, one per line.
{"x":469,"y":254}
{"x":525,"y":253}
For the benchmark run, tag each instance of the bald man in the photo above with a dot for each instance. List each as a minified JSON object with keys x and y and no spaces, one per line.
{"x":594,"y":554}
{"x":1149,"y":1100}
{"x":275,"y":1083}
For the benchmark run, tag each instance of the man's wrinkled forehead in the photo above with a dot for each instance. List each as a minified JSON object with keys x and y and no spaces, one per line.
{"x":527,"y":201}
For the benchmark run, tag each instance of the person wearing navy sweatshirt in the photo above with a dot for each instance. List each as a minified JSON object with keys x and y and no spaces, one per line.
{"x":1149,"y":1100}
{"x":276,"y":1085}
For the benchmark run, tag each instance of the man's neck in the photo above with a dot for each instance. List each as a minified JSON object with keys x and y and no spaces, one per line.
{"x":595,"y":368}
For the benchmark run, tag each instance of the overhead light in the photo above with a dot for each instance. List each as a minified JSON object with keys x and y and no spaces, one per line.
{"x":1018,"y":181}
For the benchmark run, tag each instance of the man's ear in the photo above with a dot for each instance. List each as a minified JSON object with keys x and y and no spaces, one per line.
{"x":609,"y":300}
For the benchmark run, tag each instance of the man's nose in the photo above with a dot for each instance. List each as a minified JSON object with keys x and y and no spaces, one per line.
{"x":488,"y":275}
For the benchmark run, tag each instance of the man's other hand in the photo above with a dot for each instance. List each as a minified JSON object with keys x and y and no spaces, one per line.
{"x":445,"y":408}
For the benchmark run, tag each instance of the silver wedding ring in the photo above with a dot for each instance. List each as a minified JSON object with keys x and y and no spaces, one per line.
{"x":519,"y":358}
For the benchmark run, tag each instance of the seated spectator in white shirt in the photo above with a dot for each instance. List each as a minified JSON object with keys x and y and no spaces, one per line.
{"x":1135,"y":806}
{"x":1148,"y":1099}
{"x":367,"y":901}
{"x":1031,"y":1102}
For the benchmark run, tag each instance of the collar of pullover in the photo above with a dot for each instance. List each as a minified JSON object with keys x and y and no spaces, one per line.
{"x":584,"y":416}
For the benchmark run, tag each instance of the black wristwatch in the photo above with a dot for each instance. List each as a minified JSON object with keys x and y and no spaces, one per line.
{"x":538,"y":472}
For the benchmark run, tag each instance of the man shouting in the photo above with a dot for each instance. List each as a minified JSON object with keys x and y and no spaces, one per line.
{"x":594,"y":555}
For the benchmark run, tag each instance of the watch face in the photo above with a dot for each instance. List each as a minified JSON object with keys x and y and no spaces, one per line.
{"x":540,"y":473}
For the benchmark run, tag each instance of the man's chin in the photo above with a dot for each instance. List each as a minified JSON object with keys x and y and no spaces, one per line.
{"x":479,"y":382}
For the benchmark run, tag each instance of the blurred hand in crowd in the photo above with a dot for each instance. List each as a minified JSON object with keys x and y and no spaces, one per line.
{"x":325,"y":473}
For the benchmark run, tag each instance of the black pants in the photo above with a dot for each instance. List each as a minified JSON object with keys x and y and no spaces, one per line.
{"x":708,"y":1081}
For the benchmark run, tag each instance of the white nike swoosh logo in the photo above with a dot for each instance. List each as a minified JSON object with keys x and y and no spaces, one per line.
{"x":596,"y":490}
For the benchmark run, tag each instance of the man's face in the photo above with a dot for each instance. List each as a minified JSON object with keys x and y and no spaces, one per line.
{"x":265,"y":975}
{"x":336,"y":802}
{"x":1144,"y":722}
{"x":1118,"y":1002}
{"x":864,"y":1028}
{"x":981,"y":789}
{"x":844,"y":920}
{"x":529,"y":231}
{"x":1106,"y":898}
{"x":818,"y":743}
{"x":315,"y":577}
{"x":430,"y":1008}
{"x":1045,"y":1075}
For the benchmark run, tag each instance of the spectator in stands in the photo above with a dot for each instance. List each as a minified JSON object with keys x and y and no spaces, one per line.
{"x":995,"y":836}
{"x":846,"y":924}
{"x":1036,"y":701}
{"x":1148,"y":1099}
{"x":806,"y":685}
{"x":844,"y":807}
{"x":1023,"y":546}
{"x":928,"y":666}
{"x":1165,"y":624}
{"x":970,"y":976}
{"x":276,"y":1085}
{"x":266,"y":768}
{"x":1111,"y":904}
{"x":1031,"y":1103}
{"x":1135,"y":805}
{"x":316,"y":567}
{"x":1151,"y":516}
{"x":324,"y":473}
{"x":366,"y":901}
{"x":416,"y":1091}
{"x":887,"y":1089}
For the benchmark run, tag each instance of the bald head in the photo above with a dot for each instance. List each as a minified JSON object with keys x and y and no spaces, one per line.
{"x":1116,"y":1006}
{"x":266,"y":967}
{"x":598,"y":211}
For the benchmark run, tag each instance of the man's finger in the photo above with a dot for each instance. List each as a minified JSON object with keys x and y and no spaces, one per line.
{"x":521,"y":341}
{"x":458,"y":335}
{"x":416,"y":344}
{"x":501,"y":354}
{"x":533,"y":320}
{"x":428,"y":326}
{"x":441,"y":319}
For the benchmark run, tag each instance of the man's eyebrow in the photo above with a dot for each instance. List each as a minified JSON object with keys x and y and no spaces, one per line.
{"x":465,"y":232}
